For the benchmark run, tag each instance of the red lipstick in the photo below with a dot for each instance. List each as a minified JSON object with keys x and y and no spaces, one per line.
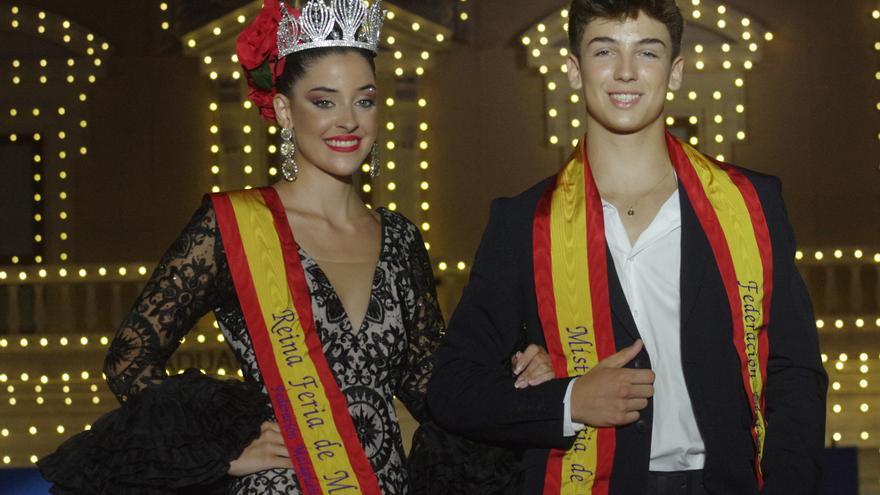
{"x":347,"y":143}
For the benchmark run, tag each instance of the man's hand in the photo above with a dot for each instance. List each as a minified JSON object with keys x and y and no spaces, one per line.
{"x":611,"y":395}
{"x":266,"y":452}
{"x":532,"y":367}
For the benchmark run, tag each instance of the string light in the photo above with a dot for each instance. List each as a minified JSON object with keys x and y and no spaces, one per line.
{"x":423,"y":197}
{"x":86,"y":52}
{"x":463,"y":10}
{"x":875,"y":14}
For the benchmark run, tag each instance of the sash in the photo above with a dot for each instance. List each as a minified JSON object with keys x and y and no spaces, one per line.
{"x":571,"y":283}
{"x":311,"y":410}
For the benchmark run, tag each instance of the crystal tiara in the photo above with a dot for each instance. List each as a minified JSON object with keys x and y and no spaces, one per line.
{"x":341,"y":23}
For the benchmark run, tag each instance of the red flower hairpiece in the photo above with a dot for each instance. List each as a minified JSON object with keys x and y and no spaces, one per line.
{"x":257,"y":48}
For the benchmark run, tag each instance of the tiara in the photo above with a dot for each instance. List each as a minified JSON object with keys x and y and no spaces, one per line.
{"x":342,"y":23}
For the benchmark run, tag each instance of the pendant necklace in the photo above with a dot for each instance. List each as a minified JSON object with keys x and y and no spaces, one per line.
{"x":631,"y":209}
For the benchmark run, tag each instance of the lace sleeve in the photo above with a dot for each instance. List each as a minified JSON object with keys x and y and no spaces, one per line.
{"x":424,"y":326}
{"x":191,"y":279}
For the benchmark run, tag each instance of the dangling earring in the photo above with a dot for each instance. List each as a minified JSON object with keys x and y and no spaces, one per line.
{"x":289,"y":168}
{"x":375,"y":168}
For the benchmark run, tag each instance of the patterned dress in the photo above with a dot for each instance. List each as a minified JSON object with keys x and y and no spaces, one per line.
{"x":387,"y":357}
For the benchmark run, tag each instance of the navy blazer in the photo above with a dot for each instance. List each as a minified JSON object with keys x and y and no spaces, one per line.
{"x":472,"y":393}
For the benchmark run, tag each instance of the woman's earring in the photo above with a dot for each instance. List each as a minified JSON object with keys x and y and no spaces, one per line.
{"x":289,"y":168}
{"x":375,"y":168}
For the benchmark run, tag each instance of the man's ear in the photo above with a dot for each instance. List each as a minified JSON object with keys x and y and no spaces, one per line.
{"x":574,"y":71}
{"x":677,"y":74}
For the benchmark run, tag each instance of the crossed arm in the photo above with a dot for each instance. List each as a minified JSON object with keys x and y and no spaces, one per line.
{"x":473,"y":391}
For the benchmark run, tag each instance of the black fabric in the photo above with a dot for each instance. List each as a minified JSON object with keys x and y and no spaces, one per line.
{"x":442,"y":463}
{"x":676,"y":483}
{"x":390,"y":355}
{"x":471,"y":392}
{"x":168,"y":439}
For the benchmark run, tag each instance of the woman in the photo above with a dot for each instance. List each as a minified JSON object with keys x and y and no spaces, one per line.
{"x":358,"y":286}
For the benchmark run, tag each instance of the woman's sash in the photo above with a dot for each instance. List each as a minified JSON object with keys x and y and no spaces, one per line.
{"x":571,"y":282}
{"x":311,"y":410}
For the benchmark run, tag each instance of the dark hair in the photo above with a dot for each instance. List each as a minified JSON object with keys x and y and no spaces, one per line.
{"x":296,"y":64}
{"x":582,"y":12}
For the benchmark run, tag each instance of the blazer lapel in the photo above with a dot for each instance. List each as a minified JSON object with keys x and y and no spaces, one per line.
{"x":619,"y":305}
{"x":696,"y":254}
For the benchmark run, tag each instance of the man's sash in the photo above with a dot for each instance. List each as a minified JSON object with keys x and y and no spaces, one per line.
{"x":311,"y":410}
{"x":571,"y":282}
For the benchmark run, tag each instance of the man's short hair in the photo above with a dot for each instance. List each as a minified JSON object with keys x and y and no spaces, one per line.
{"x":582,"y":12}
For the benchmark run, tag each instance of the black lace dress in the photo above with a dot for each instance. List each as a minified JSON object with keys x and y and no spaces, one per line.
{"x":388,"y":356}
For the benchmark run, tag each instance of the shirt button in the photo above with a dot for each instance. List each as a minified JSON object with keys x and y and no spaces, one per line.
{"x":636,"y":313}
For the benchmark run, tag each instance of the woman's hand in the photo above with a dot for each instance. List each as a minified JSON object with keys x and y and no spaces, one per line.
{"x":532,"y":367}
{"x":266,"y":452}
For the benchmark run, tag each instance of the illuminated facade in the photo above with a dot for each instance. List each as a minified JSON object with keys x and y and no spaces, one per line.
{"x":58,"y":307}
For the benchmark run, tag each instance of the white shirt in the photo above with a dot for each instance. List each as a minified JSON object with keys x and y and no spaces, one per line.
{"x":650,"y":274}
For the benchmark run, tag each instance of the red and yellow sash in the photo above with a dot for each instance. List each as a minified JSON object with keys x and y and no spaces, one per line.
{"x":571,"y":282}
{"x":309,"y":406}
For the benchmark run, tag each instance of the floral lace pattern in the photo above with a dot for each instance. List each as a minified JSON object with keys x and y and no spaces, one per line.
{"x":388,"y":356}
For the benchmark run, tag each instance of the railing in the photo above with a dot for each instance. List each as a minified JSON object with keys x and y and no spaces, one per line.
{"x":842,"y":280}
{"x":90,"y":298}
{"x":844,"y":284}
{"x":93,"y":298}
{"x":57,"y":321}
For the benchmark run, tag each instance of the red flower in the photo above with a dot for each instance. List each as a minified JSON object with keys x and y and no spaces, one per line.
{"x":259,"y":41}
{"x":263,"y":100}
{"x":257,"y":48}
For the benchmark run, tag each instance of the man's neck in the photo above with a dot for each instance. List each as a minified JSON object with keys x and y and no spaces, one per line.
{"x":623,"y":162}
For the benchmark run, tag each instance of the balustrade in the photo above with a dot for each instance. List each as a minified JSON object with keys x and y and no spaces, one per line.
{"x":844,"y":283}
{"x":58,"y":299}
{"x":56,"y":323}
{"x":842,"y":280}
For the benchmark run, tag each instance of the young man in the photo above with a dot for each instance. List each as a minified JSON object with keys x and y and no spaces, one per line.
{"x":664,"y":288}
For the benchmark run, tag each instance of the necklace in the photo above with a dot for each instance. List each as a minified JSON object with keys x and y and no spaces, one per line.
{"x":631,"y":209}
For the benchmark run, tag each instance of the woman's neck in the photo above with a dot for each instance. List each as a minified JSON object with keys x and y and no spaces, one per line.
{"x":317,"y":193}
